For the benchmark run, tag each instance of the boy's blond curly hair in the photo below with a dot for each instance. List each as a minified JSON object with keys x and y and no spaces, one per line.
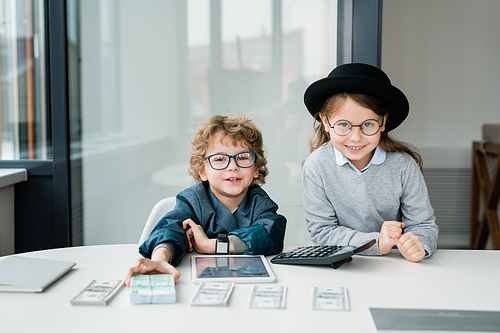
{"x":239,"y":129}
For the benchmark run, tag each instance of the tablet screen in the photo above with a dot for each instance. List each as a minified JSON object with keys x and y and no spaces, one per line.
{"x":231,"y":268}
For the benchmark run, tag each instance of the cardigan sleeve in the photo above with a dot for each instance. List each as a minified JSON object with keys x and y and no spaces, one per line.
{"x":416,"y":209}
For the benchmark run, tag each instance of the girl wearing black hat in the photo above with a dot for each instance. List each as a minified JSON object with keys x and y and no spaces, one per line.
{"x":359,"y":184}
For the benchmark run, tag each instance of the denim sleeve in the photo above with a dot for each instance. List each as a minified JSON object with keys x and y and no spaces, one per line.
{"x":169,"y":229}
{"x":265,"y":236}
{"x":256,"y":238}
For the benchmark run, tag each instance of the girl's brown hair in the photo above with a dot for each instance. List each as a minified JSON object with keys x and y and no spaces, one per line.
{"x":319,"y":136}
{"x":239,"y":129}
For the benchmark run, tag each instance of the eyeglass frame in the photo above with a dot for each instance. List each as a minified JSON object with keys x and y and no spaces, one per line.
{"x":350,"y":128}
{"x":234,"y":158}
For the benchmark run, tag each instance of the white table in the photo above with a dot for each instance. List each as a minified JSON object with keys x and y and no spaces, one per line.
{"x":450,"y":279}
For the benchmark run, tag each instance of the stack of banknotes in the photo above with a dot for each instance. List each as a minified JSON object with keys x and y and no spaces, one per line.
{"x":268,"y":296}
{"x":150,"y":289}
{"x":213,"y":293}
{"x":330,"y":298}
{"x":98,"y":292}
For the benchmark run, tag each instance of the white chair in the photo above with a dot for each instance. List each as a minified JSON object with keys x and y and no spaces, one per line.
{"x":161,"y":208}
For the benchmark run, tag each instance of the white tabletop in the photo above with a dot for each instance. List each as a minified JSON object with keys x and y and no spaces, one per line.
{"x":450,"y":279}
{"x":12,"y":176}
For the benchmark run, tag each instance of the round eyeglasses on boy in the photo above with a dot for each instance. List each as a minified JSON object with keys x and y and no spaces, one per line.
{"x":344,"y":127}
{"x":221,"y":161}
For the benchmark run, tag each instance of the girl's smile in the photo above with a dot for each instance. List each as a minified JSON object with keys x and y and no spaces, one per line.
{"x":353,"y":148}
{"x":356,"y":146}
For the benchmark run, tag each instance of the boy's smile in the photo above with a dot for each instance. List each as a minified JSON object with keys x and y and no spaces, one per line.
{"x":231,"y":184}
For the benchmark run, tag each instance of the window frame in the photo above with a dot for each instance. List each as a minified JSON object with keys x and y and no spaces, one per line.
{"x":47,"y":222}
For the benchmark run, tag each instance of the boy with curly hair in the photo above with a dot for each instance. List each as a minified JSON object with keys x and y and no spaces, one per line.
{"x":226,"y":211}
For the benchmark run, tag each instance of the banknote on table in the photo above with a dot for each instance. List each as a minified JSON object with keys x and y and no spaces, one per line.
{"x":268,"y":296}
{"x":330,"y":298}
{"x":98,"y":292}
{"x":152,"y":289}
{"x":213,"y":293}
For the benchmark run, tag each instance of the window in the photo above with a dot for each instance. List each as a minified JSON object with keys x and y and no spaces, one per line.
{"x":25,"y":131}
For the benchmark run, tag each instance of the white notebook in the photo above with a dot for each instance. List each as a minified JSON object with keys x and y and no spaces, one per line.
{"x":25,"y":274}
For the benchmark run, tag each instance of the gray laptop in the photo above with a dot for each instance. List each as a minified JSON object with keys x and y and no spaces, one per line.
{"x":25,"y":274}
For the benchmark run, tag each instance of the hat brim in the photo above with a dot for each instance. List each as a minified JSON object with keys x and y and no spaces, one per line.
{"x":393,"y":98}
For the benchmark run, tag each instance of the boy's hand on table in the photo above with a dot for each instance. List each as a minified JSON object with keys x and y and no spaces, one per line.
{"x":158,"y":264}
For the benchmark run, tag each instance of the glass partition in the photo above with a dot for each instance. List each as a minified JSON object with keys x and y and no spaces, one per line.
{"x":144,"y":76}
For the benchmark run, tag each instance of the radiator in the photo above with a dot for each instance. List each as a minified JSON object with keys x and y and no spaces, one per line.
{"x":449,"y":193}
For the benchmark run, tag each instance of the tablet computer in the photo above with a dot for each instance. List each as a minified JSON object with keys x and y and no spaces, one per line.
{"x":231,"y":268}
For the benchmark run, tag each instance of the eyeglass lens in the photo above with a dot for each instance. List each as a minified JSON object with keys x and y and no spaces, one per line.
{"x":221,"y":161}
{"x":368,"y":127}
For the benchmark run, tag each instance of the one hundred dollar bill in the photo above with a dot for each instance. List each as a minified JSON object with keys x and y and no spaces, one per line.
{"x":268,"y":296}
{"x":330,"y":298}
{"x":98,"y":292}
{"x":213,"y":293}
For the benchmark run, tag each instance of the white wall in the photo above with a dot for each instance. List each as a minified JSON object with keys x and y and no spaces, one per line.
{"x":148,"y":70}
{"x":445,"y":56}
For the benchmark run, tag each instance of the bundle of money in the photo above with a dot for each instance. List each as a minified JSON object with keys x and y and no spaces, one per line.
{"x":268,"y":296}
{"x":213,"y":293}
{"x":149,"y":289}
{"x":330,"y":298}
{"x":98,"y":292}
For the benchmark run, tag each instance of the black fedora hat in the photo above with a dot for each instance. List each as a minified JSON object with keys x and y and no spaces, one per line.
{"x":361,"y":79}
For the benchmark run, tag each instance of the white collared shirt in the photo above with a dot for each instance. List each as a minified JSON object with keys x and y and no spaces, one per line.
{"x":377,"y":158}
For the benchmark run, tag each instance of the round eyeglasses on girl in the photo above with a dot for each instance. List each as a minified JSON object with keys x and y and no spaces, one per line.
{"x":344,"y":127}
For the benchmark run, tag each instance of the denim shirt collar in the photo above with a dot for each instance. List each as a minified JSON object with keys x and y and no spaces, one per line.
{"x":377,"y":158}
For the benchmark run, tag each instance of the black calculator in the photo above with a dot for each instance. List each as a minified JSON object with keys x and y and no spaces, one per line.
{"x":332,"y":255}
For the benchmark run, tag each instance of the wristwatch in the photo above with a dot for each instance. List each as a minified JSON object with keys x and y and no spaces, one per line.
{"x":222,"y":244}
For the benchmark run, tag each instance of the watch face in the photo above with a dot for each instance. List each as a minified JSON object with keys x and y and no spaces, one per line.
{"x":222,"y":247}
{"x":222,"y":244}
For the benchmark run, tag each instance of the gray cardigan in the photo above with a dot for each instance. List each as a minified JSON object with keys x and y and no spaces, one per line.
{"x":345,"y":208}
